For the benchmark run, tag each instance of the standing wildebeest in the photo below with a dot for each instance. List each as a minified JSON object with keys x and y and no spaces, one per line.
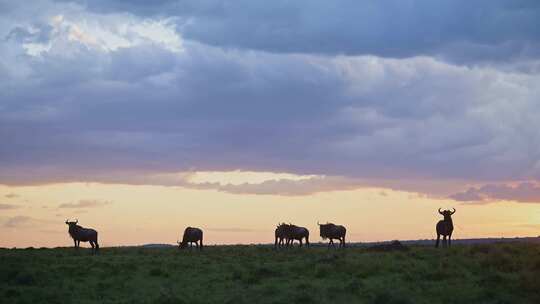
{"x":280,"y":235}
{"x":332,"y":231}
{"x":192,"y":235}
{"x":445,"y":227}
{"x":79,"y":234}
{"x":293,"y":232}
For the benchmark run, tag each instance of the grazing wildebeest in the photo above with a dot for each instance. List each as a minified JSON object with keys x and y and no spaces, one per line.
{"x":280,"y":235}
{"x":293,"y":232}
{"x":332,"y":231}
{"x":192,"y":235}
{"x":80,"y":234}
{"x":445,"y":227}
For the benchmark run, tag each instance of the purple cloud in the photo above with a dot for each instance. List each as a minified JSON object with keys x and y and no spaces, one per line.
{"x":22,"y":221}
{"x":85,"y":204}
{"x":526,"y":192}
{"x":8,"y":206}
{"x":88,"y":95}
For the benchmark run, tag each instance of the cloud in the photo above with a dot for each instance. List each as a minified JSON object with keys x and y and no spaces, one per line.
{"x":487,"y":30}
{"x":22,"y":221}
{"x":85,"y":204}
{"x":8,"y":206}
{"x":285,"y":187}
{"x":92,"y":89}
{"x":525,"y":192}
{"x":348,"y":118}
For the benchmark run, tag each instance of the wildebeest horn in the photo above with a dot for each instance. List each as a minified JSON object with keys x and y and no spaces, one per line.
{"x":440,"y":211}
{"x":318,"y":223}
{"x":454,"y":210}
{"x":76,"y":221}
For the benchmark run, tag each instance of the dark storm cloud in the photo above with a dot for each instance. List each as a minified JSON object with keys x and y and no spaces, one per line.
{"x":96,"y":98}
{"x":223,"y":110}
{"x":460,"y":31}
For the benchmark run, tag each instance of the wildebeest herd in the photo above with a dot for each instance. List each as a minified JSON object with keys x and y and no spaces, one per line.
{"x":285,"y":234}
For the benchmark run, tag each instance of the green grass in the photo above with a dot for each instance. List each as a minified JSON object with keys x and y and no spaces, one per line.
{"x":496,"y":273}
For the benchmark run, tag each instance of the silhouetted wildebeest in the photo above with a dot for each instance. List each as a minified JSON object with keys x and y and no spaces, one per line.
{"x":80,"y":234}
{"x":192,"y":235}
{"x":445,"y":227}
{"x":280,"y":235}
{"x":332,"y":231}
{"x":293,"y":232}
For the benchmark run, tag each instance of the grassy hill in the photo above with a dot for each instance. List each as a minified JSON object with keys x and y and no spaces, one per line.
{"x":488,"y":273}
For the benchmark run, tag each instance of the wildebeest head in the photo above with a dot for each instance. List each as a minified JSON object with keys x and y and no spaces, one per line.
{"x":280,"y":228}
{"x":72,"y":224}
{"x":324,"y":229}
{"x":447,"y":213}
{"x":191,"y":235}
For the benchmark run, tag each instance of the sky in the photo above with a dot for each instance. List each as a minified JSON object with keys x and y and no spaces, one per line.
{"x":141,"y":118}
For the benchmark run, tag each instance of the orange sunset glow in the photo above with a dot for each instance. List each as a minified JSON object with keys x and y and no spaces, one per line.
{"x":140,"y":214}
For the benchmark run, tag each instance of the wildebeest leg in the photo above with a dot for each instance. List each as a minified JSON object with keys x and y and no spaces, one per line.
{"x":437,"y":242}
{"x":449,"y":241}
{"x":444,"y":242}
{"x":307,"y":241}
{"x":300,"y":242}
{"x":93,"y":247}
{"x":75,"y":244}
{"x":343,"y":242}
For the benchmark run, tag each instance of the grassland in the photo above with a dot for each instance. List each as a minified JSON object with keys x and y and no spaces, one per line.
{"x":495,"y":273}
